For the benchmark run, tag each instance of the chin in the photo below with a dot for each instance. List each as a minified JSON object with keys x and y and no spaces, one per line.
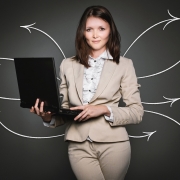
{"x":97,"y":47}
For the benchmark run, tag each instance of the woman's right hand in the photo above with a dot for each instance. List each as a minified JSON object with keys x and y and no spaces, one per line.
{"x":46,"y":116}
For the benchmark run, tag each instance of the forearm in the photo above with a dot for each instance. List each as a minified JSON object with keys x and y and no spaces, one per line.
{"x":127,"y":115}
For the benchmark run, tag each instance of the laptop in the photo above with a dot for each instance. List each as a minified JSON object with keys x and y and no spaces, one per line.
{"x":37,"y":78}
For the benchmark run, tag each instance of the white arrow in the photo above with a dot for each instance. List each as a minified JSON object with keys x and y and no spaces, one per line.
{"x":31,"y":137}
{"x":9,"y":59}
{"x":160,"y":71}
{"x":149,"y":134}
{"x":28,"y":27}
{"x":163,"y":116}
{"x":12,"y":99}
{"x":168,"y":22}
{"x":171,"y":100}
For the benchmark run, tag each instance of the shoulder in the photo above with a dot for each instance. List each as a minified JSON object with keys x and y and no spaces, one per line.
{"x":68,"y":61}
{"x":125,"y":64}
{"x":124,"y":60}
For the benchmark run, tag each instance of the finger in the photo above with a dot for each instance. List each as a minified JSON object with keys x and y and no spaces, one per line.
{"x":73,"y":108}
{"x":77,"y":117}
{"x":36,"y":103}
{"x":84,"y":115}
{"x":32,"y":110}
{"x":86,"y":118}
{"x":36,"y":110}
{"x":41,"y":107}
{"x":36,"y":107}
{"x":80,"y":115}
{"x":77,"y":108}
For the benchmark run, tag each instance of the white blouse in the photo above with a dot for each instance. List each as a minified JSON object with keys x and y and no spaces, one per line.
{"x":92,"y":76}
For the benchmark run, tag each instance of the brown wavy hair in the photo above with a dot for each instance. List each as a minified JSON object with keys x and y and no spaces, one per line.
{"x":82,"y":48}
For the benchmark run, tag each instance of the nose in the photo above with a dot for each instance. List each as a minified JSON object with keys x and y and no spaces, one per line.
{"x":95,"y":34}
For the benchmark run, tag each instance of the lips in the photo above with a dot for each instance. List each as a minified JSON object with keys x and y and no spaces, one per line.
{"x":96,"y":41}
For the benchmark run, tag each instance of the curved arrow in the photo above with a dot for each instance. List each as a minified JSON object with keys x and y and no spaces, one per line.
{"x":171,"y":100}
{"x":12,"y":99}
{"x":9,"y":59}
{"x":149,"y":134}
{"x":31,"y":137}
{"x":28,"y":27}
{"x":163,"y":116}
{"x":168,"y":22}
{"x":160,"y":71}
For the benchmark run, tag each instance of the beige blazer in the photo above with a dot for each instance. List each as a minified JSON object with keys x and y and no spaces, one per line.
{"x":116,"y":81}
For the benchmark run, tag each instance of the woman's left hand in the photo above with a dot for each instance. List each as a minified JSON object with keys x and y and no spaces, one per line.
{"x":90,"y":111}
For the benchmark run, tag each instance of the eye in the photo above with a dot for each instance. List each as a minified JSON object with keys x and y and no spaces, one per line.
{"x":102,"y":29}
{"x":88,"y":30}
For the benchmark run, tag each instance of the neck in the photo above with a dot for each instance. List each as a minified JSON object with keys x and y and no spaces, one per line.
{"x":97,"y":53}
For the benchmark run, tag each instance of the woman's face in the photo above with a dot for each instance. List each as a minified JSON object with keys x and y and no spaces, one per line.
{"x":97,"y":34}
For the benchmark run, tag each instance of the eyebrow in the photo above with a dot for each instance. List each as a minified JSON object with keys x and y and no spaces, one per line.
{"x":98,"y":27}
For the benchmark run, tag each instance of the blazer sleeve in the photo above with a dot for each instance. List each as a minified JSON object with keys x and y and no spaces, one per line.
{"x":61,"y":119}
{"x":129,"y":88}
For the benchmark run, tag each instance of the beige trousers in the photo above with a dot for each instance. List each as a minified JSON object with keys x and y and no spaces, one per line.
{"x":99,"y":161}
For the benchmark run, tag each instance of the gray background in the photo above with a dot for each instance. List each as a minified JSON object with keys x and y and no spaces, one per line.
{"x":156,"y":50}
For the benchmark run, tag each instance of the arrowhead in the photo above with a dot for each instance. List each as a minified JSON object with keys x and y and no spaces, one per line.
{"x":28,"y":26}
{"x":171,"y":20}
{"x":173,"y":100}
{"x":172,"y":15}
{"x":149,"y":134}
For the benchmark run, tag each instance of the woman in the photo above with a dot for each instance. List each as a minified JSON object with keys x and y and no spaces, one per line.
{"x":94,"y":81}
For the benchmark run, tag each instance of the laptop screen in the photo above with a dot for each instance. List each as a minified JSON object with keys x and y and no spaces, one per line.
{"x":37,"y":79}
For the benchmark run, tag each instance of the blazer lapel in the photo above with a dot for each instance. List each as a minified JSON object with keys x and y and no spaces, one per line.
{"x":78,"y":78}
{"x":106,"y":74}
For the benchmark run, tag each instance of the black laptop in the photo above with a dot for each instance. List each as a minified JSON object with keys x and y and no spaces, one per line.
{"x":37,"y":79}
